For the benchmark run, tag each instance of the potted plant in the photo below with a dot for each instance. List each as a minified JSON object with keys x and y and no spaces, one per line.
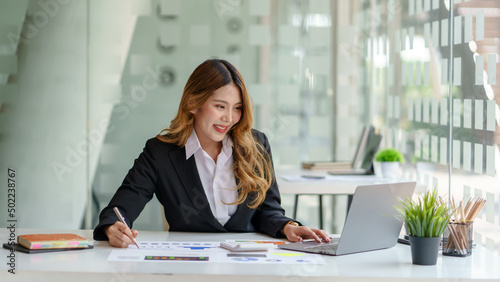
{"x":389,"y":159}
{"x":425,"y":220}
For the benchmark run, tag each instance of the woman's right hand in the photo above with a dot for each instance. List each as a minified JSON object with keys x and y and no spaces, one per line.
{"x":120,"y":235}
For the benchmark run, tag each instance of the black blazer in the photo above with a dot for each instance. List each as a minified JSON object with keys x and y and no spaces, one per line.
{"x":162,"y":169}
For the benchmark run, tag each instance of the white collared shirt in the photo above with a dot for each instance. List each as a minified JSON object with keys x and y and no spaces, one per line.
{"x":218,"y":179}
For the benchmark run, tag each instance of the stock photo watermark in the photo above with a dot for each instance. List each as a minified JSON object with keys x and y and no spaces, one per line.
{"x":301,"y":272}
{"x":277,"y":124}
{"x":199,"y":201}
{"x":367,"y":30}
{"x":36,"y":21}
{"x":11,"y":221}
{"x":121,"y":276}
{"x":222,"y":7}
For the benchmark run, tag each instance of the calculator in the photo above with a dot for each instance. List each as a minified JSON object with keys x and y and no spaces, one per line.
{"x":245,"y":247}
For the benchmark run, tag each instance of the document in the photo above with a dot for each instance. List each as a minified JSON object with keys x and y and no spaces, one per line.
{"x":206,"y":252}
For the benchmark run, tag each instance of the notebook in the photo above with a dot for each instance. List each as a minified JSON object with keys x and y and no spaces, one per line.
{"x":363,"y":159}
{"x":52,"y":241}
{"x":23,"y":249}
{"x":371,"y":222}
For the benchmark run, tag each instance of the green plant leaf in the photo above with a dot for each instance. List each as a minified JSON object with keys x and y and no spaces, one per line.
{"x":418,"y":230}
{"x":426,"y":216}
{"x":411,"y":227}
{"x":389,"y":155}
{"x":432,"y":227}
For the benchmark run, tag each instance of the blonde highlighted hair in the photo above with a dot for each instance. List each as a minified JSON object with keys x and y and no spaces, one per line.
{"x":252,"y":163}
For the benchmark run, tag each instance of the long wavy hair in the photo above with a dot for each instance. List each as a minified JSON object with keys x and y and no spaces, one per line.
{"x":252,"y":163}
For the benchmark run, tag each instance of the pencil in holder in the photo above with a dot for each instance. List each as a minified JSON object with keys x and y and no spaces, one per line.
{"x":457,"y":239}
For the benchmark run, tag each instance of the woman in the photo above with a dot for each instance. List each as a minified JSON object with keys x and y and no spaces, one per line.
{"x":210,"y":170}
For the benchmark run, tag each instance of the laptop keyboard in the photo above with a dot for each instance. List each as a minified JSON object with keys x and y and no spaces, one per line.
{"x":325,"y":248}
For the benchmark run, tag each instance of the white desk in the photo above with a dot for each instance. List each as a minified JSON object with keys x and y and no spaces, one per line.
{"x":383,"y":265}
{"x":331,"y":185}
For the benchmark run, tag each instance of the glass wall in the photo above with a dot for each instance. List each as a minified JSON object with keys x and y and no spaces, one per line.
{"x":84,"y":84}
{"x":431,"y":69}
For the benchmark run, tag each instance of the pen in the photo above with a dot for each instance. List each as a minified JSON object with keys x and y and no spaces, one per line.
{"x":119,"y":215}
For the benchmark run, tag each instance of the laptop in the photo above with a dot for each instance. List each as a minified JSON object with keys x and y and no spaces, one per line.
{"x":371,"y":222}
{"x":363,"y":159}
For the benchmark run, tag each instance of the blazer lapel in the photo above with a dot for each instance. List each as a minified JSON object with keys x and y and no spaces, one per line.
{"x":241,"y":212}
{"x":188,"y":174}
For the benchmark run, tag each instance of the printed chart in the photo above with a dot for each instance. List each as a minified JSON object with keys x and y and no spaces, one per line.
{"x":177,"y":246}
{"x":205,"y":252}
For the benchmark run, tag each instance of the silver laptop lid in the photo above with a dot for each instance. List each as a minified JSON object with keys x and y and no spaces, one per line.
{"x":371,"y":222}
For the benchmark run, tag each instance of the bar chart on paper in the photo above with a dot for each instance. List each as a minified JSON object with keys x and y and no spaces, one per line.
{"x":178,"y":246}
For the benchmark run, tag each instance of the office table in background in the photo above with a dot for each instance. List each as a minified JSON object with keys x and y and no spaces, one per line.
{"x":331,"y":185}
{"x":382,"y":265}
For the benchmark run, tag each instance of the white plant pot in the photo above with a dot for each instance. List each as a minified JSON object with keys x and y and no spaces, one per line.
{"x":390,"y":169}
{"x":377,"y":169}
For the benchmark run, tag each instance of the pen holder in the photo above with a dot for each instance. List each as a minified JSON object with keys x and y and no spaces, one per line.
{"x":457,"y":239}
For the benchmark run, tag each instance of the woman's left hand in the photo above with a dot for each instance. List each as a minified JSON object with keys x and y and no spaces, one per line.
{"x":298,"y":233}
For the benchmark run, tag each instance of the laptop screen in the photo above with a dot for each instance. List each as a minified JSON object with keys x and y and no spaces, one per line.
{"x":367,"y":147}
